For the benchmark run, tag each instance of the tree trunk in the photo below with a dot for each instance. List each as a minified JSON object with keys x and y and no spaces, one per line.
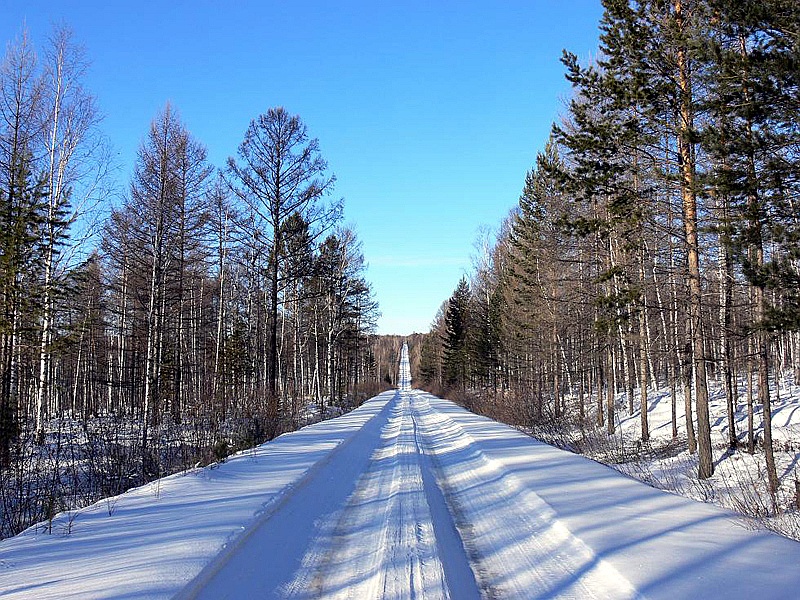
{"x":689,"y":204}
{"x":272,"y":342}
{"x":643,"y":353}
{"x":686,"y":373}
{"x":726,"y":298}
{"x":610,"y":385}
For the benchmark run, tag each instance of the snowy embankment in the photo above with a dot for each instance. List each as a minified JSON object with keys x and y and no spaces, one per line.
{"x":407,"y":496}
{"x":151,"y":541}
{"x":739,"y":481}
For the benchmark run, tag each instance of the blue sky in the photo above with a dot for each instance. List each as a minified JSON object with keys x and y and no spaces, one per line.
{"x":429,"y":112}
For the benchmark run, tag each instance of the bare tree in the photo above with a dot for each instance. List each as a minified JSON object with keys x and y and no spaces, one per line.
{"x":279,"y":173}
{"x":74,"y":164}
{"x":152,"y":237}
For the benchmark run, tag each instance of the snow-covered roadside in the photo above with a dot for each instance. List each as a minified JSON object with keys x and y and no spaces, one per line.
{"x":665,"y":545}
{"x":739,"y":482}
{"x":151,"y":541}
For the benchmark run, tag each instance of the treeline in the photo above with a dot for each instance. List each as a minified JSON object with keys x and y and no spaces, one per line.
{"x":657,"y":238}
{"x":386,"y":350}
{"x":205,"y":313}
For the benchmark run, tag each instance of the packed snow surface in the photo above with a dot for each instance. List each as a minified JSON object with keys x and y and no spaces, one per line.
{"x":408,"y":496}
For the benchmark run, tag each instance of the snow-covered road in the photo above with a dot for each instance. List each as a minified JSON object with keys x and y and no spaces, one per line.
{"x":430,"y":501}
{"x":409,"y":496}
{"x":426,"y":518}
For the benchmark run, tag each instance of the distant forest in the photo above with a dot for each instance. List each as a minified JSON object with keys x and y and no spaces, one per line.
{"x":209,"y":310}
{"x":656,"y":243}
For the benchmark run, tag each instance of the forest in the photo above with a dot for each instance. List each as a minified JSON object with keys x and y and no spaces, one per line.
{"x":198,"y":311}
{"x":655,"y":244}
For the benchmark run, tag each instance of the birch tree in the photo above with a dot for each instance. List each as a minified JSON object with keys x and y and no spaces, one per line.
{"x":74,"y":166}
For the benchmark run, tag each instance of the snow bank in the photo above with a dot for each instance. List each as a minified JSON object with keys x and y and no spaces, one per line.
{"x":151,"y":541}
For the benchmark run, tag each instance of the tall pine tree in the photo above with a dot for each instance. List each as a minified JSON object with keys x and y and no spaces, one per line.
{"x":456,"y":350}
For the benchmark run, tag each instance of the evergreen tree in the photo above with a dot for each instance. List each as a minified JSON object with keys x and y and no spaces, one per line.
{"x":22,"y":215}
{"x":430,"y":364}
{"x":540,"y":264}
{"x":485,"y":342}
{"x":754,"y":88}
{"x":22,"y":190}
{"x":455,"y":342}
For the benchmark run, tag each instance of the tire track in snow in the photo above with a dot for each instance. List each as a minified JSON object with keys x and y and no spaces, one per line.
{"x":455,"y":562}
{"x":518,"y":547}
{"x":395,"y":537}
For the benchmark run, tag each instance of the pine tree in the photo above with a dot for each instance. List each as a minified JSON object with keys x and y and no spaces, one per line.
{"x":603,"y":173}
{"x":22,"y":214}
{"x":22,"y":191}
{"x":539,"y":266}
{"x":754,"y":99}
{"x":456,"y":364}
{"x":486,"y":342}
{"x":429,"y":364}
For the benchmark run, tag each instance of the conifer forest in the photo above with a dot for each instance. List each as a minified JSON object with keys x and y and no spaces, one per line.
{"x":656,"y":242}
{"x":194,"y":310}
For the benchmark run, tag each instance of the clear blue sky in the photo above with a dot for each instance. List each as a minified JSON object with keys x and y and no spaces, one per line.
{"x":428,"y":112}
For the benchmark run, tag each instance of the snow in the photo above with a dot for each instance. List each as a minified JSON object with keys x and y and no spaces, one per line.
{"x":408,"y":496}
{"x":405,"y":369}
{"x":740,"y":481}
{"x":151,"y":541}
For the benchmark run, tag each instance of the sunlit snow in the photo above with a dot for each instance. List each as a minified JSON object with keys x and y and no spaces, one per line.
{"x":409,"y":496}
